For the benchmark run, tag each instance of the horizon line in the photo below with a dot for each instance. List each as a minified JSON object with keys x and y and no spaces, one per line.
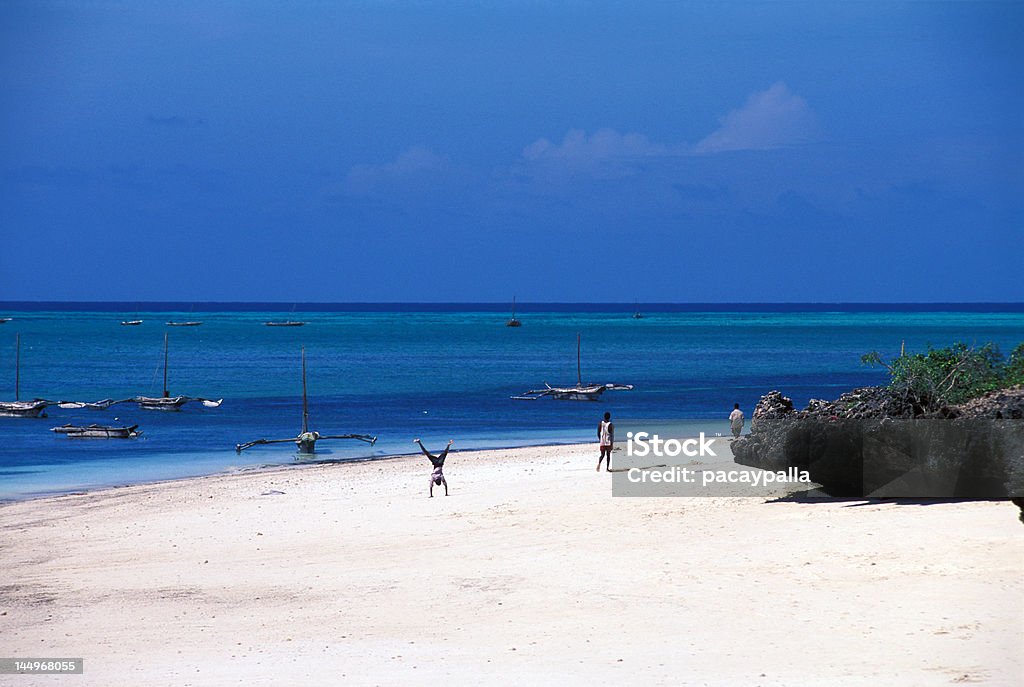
{"x":634,"y":302}
{"x":524,"y":307}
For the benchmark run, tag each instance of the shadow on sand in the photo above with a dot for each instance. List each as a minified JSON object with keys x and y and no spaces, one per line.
{"x":812,"y":496}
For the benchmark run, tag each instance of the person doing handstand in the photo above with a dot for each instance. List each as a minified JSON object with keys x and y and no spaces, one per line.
{"x":437,"y":476}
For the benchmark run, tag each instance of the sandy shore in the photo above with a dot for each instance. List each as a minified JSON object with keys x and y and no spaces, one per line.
{"x":529,"y":573}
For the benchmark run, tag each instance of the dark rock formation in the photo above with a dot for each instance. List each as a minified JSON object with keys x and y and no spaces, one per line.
{"x":1005,"y":404}
{"x":871,"y":442}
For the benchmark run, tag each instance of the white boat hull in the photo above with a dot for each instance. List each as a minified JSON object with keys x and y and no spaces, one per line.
{"x":22,"y":408}
{"x":172,"y":403}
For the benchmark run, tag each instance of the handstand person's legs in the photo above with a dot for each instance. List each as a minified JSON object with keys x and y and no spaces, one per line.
{"x":427,"y":453}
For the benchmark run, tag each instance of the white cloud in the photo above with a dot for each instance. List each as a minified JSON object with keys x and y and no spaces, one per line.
{"x":770,"y":119}
{"x":774,"y":118}
{"x":414,"y":161}
{"x":605,"y":153}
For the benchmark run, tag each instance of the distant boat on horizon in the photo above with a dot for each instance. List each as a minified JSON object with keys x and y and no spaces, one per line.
{"x":637,"y":315}
{"x":133,"y":323}
{"x":5,"y":320}
{"x":185,"y":323}
{"x":285,"y":323}
{"x":513,"y":322}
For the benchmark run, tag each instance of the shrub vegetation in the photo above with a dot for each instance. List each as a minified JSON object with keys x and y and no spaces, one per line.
{"x":951,"y":375}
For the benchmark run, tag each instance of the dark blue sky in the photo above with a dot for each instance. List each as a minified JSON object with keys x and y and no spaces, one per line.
{"x":380,"y":151}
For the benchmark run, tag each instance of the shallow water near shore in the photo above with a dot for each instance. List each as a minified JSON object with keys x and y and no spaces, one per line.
{"x":435,"y":375}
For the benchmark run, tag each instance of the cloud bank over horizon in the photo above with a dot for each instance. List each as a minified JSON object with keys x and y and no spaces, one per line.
{"x":770,"y":119}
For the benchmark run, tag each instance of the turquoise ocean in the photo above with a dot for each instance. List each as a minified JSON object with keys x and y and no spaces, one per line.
{"x":435,"y":372}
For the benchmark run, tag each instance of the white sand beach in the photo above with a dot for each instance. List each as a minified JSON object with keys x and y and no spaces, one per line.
{"x":530,"y":572}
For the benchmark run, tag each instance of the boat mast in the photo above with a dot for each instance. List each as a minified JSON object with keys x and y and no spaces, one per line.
{"x":17,"y":366}
{"x":579,"y":374}
{"x":305,"y":403}
{"x":166,"y":394}
{"x":513,"y":307}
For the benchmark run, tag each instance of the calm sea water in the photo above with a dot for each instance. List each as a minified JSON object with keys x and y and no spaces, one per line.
{"x":399,"y":373}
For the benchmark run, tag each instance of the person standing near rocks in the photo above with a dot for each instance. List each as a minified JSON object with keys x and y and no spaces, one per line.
{"x":736,"y":420}
{"x":606,"y":436}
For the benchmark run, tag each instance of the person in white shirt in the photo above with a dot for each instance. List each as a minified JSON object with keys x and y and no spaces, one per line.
{"x":606,"y":435}
{"x":736,"y":420}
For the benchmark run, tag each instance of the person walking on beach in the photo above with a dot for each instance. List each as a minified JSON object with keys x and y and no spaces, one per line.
{"x":736,"y":420}
{"x":437,"y":476}
{"x":606,"y":436}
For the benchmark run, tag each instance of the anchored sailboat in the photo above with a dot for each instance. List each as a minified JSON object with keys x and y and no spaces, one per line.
{"x":637,"y":315}
{"x":306,"y":440}
{"x":285,"y":323}
{"x":168,"y":402}
{"x":185,"y":323}
{"x":580,"y":392}
{"x":513,"y":322}
{"x":164,"y":402}
{"x":17,"y":407}
{"x":133,"y":323}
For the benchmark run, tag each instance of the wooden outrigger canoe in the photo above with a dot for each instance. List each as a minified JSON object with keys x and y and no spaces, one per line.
{"x":168,"y":402}
{"x":97,"y":431}
{"x":23,"y":408}
{"x":306,"y":440}
{"x":17,"y":407}
{"x":579,"y":392}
